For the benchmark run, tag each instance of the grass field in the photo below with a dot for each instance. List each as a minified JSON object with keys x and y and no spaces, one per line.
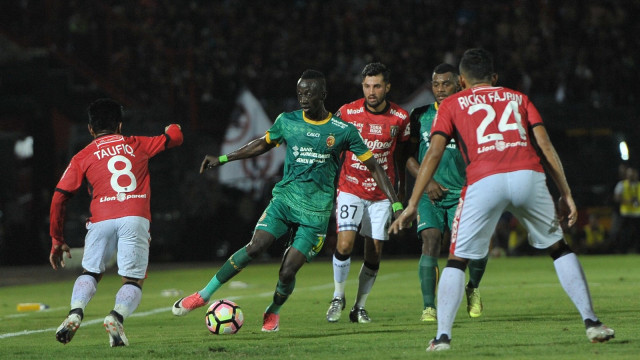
{"x":527,"y":315}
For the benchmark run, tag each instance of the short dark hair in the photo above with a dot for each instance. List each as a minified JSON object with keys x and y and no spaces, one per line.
{"x":312,"y":74}
{"x":445,"y":68}
{"x":477,"y":64}
{"x":105,"y":114}
{"x":376,"y":68}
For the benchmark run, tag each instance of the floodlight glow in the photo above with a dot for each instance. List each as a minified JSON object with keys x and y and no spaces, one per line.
{"x":624,"y":151}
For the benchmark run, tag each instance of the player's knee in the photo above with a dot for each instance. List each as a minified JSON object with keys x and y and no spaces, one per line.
{"x":340,"y":256}
{"x":457,"y":264}
{"x":559,"y":249}
{"x":287,"y":275}
{"x":96,"y":276}
{"x":430,"y":243}
{"x":132,"y":281}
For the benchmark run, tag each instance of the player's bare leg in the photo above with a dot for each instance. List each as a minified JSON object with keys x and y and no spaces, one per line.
{"x":291,"y":263}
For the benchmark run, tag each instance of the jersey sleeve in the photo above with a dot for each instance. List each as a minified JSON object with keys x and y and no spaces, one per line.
{"x":68,"y":185}
{"x":174,"y":136}
{"x":405,"y":129}
{"x":275,"y":133}
{"x":357,"y":145}
{"x":443,"y":121}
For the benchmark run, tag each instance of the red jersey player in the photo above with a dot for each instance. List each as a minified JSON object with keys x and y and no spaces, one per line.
{"x":360,"y":203}
{"x":498,"y":131}
{"x":116,"y":170}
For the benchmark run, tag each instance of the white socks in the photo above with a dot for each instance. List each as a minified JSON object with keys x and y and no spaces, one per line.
{"x":83,"y":290}
{"x":127,"y":300}
{"x":340,"y":272}
{"x":574,"y":284}
{"x":450,"y":292}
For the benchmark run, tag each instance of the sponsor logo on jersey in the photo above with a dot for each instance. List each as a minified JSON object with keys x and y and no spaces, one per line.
{"x":394,"y":131}
{"x":122,"y":197}
{"x":355,"y":111}
{"x":501,"y":146}
{"x":377,"y":144}
{"x":312,"y":134}
{"x":375,"y":129}
{"x":106,"y":140}
{"x":369,"y":184}
{"x":331,"y":140}
{"x":352,"y":179}
{"x":398,"y":114}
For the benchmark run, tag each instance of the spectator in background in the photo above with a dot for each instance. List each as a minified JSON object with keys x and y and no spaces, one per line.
{"x":592,"y":237}
{"x":627,"y":194}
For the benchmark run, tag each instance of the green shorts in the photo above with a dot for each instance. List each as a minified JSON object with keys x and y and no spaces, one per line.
{"x":436,"y":215}
{"x":308,"y":230}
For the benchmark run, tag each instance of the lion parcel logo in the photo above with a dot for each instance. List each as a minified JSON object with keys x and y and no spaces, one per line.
{"x":331,"y":140}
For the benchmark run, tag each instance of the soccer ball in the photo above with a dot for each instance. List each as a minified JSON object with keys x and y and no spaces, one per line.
{"x":224,"y":317}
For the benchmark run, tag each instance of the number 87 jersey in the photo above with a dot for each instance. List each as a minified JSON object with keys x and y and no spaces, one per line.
{"x":116,"y":168}
{"x":492,"y":126}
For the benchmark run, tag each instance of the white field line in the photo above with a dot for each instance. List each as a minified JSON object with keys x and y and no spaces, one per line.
{"x":265,"y":294}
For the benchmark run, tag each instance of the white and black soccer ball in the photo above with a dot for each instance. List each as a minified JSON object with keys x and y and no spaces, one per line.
{"x":224,"y":317}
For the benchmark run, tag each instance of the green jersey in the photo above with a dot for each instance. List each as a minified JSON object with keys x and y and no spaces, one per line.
{"x":313,"y":158}
{"x":451,"y":171}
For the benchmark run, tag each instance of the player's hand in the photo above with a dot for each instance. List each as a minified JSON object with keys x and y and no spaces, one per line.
{"x":435,"y":191}
{"x":167,"y":127}
{"x":56,"y":258}
{"x":404,"y":220}
{"x":567,"y":211}
{"x":209,"y":162}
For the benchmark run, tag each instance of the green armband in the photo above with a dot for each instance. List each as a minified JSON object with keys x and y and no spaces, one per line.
{"x":223,"y":159}
{"x":396,"y":206}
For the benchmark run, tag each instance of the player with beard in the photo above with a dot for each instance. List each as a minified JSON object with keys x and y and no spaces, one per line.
{"x":360,"y":203}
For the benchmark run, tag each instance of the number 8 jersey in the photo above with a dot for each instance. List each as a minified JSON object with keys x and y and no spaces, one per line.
{"x":492,"y":126}
{"x":116,"y":168}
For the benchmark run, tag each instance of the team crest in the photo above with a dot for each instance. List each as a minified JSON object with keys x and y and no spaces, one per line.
{"x":331,"y":140}
{"x":394,"y":131}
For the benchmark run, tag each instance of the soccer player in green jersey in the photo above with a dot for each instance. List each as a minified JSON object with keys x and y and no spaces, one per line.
{"x":438,"y":204}
{"x":303,"y":200}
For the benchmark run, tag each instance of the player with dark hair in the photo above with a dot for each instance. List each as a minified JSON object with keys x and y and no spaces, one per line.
{"x":302,"y":201}
{"x":360,"y":203}
{"x":116,"y":169}
{"x":438,"y":204}
{"x":504,"y":142}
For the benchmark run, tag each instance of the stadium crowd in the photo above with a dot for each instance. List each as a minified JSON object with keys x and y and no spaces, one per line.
{"x":202,"y":52}
{"x":189,"y":60}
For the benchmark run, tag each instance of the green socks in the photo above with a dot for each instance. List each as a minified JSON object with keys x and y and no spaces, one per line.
{"x":428,"y":273}
{"x":476,"y":271}
{"x":236,"y":262}
{"x":280,"y":296}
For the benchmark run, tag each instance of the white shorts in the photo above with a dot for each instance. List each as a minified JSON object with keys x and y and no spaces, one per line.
{"x":373,"y":217}
{"x":524,"y":193}
{"x":128,"y":236}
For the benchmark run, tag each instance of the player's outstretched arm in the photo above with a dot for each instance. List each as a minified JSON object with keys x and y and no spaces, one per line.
{"x":381,"y":178}
{"x":251,"y":149}
{"x":553,"y":165}
{"x":174,"y":134}
{"x":425,"y":174}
